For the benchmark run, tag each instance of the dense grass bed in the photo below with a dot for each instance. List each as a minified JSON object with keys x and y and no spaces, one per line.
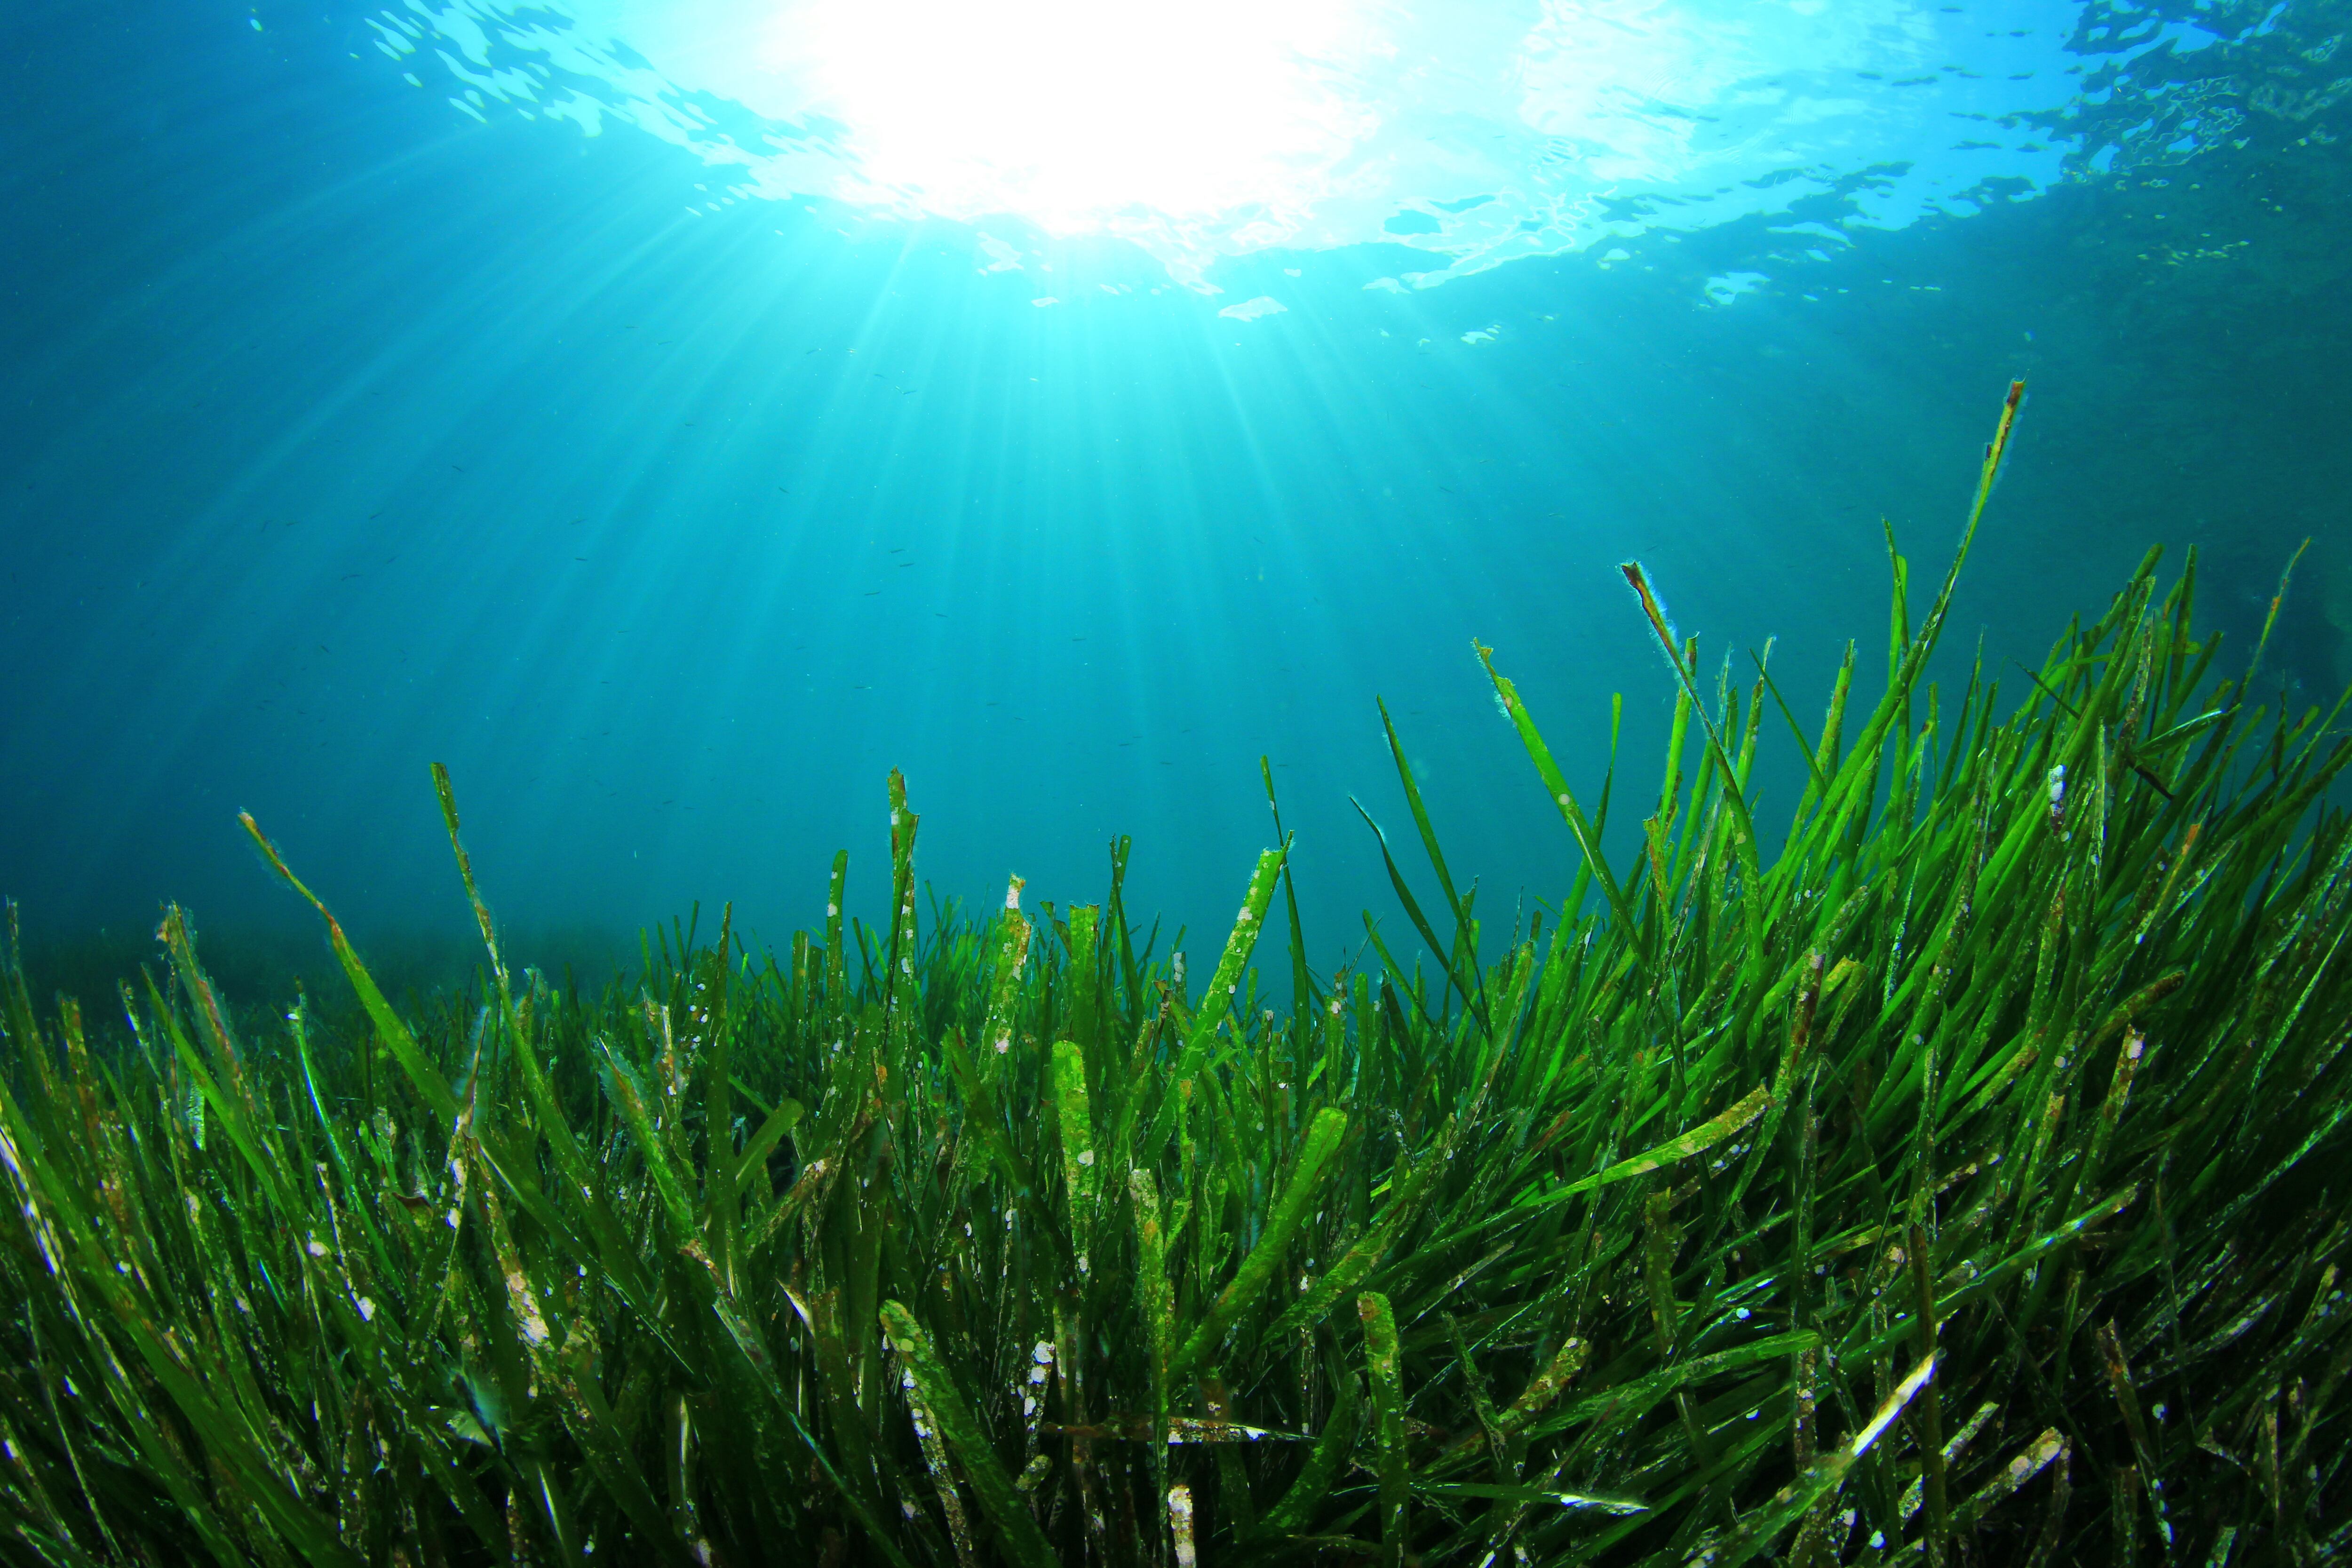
{"x":1965,"y":1184}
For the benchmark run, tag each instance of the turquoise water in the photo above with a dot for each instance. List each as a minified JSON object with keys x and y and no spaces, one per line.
{"x":852,"y":398}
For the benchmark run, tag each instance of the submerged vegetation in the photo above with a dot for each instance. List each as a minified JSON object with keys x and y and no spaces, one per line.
{"x":1965,"y":1184}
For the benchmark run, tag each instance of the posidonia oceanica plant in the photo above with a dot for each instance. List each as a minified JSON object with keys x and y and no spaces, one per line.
{"x":1964,"y":1183}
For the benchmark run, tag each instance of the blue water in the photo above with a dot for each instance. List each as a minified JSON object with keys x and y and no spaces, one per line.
{"x":351,"y":426}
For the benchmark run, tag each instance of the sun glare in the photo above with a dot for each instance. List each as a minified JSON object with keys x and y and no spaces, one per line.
{"x":1075,"y":113}
{"x":1466,"y":132}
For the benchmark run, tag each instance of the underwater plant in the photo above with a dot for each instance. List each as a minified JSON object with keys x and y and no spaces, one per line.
{"x":1963,"y":1183}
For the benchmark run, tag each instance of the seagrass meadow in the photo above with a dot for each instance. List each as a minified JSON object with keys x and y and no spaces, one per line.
{"x":1964,"y":1183}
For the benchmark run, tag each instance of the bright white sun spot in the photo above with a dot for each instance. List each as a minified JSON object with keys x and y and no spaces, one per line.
{"x":1075,"y":113}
